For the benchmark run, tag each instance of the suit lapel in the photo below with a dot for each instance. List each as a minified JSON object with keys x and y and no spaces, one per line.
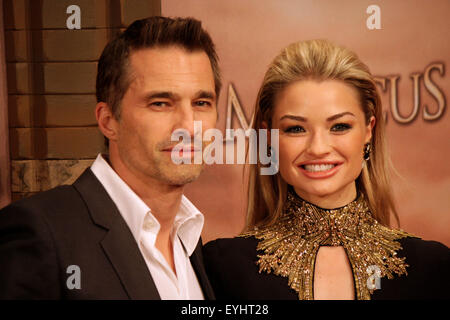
{"x":199,"y":268}
{"x":119,"y":244}
{"x":124,"y":254}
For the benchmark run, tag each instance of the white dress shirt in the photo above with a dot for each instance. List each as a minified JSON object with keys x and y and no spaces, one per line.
{"x":144,"y":226}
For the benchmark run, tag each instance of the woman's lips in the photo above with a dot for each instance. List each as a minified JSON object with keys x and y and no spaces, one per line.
{"x":319,"y":170}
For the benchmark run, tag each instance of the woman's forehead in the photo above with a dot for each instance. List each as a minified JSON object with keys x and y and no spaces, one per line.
{"x":309,"y":98}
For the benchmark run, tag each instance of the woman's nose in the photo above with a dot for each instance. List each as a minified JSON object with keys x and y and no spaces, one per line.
{"x":318,"y":145}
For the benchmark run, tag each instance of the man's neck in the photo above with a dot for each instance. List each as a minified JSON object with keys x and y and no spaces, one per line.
{"x":164,"y":200}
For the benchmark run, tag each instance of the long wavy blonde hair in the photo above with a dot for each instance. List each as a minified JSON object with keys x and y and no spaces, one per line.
{"x":320,"y":60}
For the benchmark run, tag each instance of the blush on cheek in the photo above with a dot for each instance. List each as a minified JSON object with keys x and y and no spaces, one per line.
{"x":289,"y":173}
{"x":289,"y":152}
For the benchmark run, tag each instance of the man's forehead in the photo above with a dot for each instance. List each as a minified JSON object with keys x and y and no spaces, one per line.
{"x":170,"y":61}
{"x":171,"y":66}
{"x":167,"y":58}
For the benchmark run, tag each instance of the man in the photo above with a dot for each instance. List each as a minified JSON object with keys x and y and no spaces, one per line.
{"x":124,"y":230}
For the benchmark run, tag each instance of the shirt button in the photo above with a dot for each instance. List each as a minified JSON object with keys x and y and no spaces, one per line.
{"x":148,"y":224}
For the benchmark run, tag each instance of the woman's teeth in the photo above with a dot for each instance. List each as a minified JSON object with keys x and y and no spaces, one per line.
{"x":318,"y":167}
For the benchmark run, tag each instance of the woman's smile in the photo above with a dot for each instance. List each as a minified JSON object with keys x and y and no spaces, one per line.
{"x":319,"y":170}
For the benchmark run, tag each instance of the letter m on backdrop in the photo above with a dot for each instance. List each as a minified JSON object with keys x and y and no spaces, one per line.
{"x":233,"y":104}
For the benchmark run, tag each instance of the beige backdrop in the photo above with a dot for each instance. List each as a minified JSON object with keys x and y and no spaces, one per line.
{"x":413,"y":37}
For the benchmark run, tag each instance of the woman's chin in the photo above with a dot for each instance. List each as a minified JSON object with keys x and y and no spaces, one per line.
{"x":327,"y":194}
{"x":313,"y":194}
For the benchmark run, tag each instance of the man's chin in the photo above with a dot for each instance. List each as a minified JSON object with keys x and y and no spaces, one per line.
{"x":183,"y":175}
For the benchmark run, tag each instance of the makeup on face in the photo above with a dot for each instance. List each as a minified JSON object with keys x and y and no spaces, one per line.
{"x":322,"y":135}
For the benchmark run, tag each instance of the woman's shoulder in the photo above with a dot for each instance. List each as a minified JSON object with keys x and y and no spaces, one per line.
{"x":427,"y":276}
{"x":426,"y":258}
{"x":233,"y":254}
{"x":425,"y":251}
{"x":231,"y":265}
{"x":230,"y":243}
{"x":226,"y":248}
{"x":421,"y":244}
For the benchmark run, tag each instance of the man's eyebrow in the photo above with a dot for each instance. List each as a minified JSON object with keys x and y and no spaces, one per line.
{"x":303,"y":119}
{"x":202,"y":94}
{"x":160,"y":94}
{"x":170,"y":95}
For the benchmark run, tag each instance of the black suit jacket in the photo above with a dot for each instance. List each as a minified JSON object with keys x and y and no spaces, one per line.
{"x":40,"y":237}
{"x":232,"y":268}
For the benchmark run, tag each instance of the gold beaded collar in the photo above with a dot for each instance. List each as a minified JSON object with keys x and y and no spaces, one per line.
{"x":291,"y":244}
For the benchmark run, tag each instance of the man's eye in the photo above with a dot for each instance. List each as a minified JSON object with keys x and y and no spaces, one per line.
{"x":203,"y":103}
{"x":339,"y":127}
{"x":294,"y":129}
{"x":159,"y":104}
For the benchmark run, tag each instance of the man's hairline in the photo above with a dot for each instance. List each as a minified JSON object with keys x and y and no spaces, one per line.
{"x":129,"y":74}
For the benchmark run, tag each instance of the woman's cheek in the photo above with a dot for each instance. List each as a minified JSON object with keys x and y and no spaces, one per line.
{"x":289,"y":151}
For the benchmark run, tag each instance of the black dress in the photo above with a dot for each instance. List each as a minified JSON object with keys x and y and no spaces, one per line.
{"x":232,"y":268}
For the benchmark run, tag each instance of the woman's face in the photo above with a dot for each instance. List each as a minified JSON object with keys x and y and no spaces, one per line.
{"x":322,"y":132}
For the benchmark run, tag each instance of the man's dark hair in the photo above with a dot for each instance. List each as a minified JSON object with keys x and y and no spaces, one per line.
{"x":113,"y":67}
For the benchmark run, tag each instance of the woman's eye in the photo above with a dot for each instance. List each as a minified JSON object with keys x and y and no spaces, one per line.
{"x":341,"y":127}
{"x":294,"y":129}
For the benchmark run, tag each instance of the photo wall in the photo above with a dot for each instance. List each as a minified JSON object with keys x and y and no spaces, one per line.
{"x":404,"y":43}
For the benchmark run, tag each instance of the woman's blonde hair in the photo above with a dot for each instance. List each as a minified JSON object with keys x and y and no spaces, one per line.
{"x":320,"y":60}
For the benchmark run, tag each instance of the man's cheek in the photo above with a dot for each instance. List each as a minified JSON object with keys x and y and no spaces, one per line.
{"x":209,"y":120}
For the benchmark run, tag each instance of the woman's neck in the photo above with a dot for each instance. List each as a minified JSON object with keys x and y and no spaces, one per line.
{"x":330,"y":201}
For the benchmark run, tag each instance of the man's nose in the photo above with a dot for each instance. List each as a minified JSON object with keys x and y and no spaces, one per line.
{"x":186,"y":118}
{"x":318,"y":145}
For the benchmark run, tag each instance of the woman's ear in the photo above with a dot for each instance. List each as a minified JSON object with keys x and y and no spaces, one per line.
{"x":369,"y":128}
{"x":107,"y":123}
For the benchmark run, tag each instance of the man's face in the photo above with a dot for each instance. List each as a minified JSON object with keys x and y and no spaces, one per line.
{"x":170,"y":89}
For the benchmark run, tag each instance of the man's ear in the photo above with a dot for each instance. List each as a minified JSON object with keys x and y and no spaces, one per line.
{"x":107,"y":123}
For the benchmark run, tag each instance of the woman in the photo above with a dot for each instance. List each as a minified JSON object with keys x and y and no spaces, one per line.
{"x":319,"y":228}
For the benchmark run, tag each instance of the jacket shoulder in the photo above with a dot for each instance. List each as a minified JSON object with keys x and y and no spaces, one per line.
{"x":50,"y":205}
{"x":56,"y":195}
{"x":29,"y":266}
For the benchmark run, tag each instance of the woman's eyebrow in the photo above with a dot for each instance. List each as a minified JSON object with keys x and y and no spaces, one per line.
{"x":297,"y":118}
{"x":337,"y":116}
{"x":303,"y":119}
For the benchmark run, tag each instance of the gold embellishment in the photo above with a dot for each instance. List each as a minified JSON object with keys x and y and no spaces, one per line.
{"x":290,"y":245}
